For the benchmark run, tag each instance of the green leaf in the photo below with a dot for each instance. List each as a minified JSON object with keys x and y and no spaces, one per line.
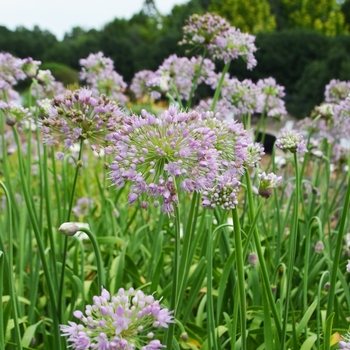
{"x":29,"y":333}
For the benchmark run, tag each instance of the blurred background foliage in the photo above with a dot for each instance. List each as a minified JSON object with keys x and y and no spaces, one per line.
{"x":302,"y":44}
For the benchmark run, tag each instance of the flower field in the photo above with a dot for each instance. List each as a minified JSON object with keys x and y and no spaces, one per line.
{"x":142,"y":216}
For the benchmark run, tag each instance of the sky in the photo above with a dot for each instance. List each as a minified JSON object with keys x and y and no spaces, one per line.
{"x":60,"y":16}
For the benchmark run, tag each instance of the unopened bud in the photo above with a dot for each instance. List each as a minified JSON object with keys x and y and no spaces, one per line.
{"x":253,"y":260}
{"x":68,"y":229}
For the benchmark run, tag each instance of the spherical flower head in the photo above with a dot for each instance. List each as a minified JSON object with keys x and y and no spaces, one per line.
{"x":241,"y":96}
{"x":30,"y":67}
{"x":98,"y":72}
{"x":337,"y":90}
{"x":127,"y":321}
{"x":232,"y":44}
{"x":268,"y":183}
{"x":79,"y":115}
{"x":270,"y":98}
{"x":153,"y":152}
{"x":222,"y":195}
{"x":139,"y":83}
{"x":292,"y":141}
{"x":202,"y":30}
{"x":255,"y":152}
{"x":11,"y":68}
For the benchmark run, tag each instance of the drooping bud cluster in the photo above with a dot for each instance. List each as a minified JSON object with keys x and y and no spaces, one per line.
{"x":268,"y":183}
{"x":125,"y":321}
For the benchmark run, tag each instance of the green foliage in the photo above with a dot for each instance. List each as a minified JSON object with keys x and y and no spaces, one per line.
{"x":324,"y":16}
{"x":253,"y":16}
{"x":62,"y":73}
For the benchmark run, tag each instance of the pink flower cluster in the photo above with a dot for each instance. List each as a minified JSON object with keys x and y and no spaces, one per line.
{"x":98,"y":72}
{"x":125,"y":321}
{"x":13,"y":69}
{"x":79,"y":115}
{"x":190,"y":151}
{"x":222,"y":41}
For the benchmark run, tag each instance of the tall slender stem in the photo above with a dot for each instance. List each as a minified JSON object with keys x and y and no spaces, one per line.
{"x":338,"y":248}
{"x":175,"y":288}
{"x":240,"y":275}
{"x":218,"y":89}
{"x":65,"y":246}
{"x":292,"y":249}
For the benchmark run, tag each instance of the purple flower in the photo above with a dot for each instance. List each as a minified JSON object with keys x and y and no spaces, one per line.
{"x":345,"y":344}
{"x":292,"y":141}
{"x":194,"y":148}
{"x":270,"y":98}
{"x":337,"y":90}
{"x":232,"y":44}
{"x":79,"y":115}
{"x":98,"y":72}
{"x":268,"y":183}
{"x":202,"y":30}
{"x":348,"y":266}
{"x":123,"y":321}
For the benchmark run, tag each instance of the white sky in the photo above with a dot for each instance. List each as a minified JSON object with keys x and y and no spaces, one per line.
{"x":60,"y":16}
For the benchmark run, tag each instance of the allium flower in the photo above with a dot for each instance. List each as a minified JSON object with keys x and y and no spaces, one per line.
{"x":255,"y":152}
{"x":180,"y":72}
{"x":345,"y":344}
{"x":98,"y":72}
{"x":202,"y":30}
{"x":270,"y":98}
{"x":14,"y":113}
{"x":139,"y":84}
{"x":11,"y":68}
{"x":268,"y":183}
{"x":223,"y":195}
{"x":30,"y":67}
{"x":48,"y":87}
{"x":291,"y":141}
{"x":83,"y":206}
{"x":121,"y":322}
{"x":77,"y":116}
{"x":337,"y":90}
{"x":240,"y":96}
{"x":232,"y":44}
{"x":193,"y":149}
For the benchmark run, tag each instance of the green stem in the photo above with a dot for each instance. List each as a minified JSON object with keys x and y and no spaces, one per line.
{"x":37,"y":233}
{"x":10,"y":267}
{"x":338,"y":248}
{"x":262,"y":262}
{"x":175,"y":288}
{"x":101,"y":279}
{"x":292,"y":249}
{"x":65,"y":246}
{"x":240,"y":275}
{"x":194,"y":84}
{"x":218,"y":89}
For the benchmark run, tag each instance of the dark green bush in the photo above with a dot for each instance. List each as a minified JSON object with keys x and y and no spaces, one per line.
{"x":62,"y":73}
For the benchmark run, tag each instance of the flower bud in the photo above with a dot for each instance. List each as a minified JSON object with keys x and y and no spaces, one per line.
{"x":68,"y":229}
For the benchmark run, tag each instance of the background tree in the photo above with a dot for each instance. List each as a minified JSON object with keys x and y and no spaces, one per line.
{"x":251,"y":16}
{"x":324,"y":16}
